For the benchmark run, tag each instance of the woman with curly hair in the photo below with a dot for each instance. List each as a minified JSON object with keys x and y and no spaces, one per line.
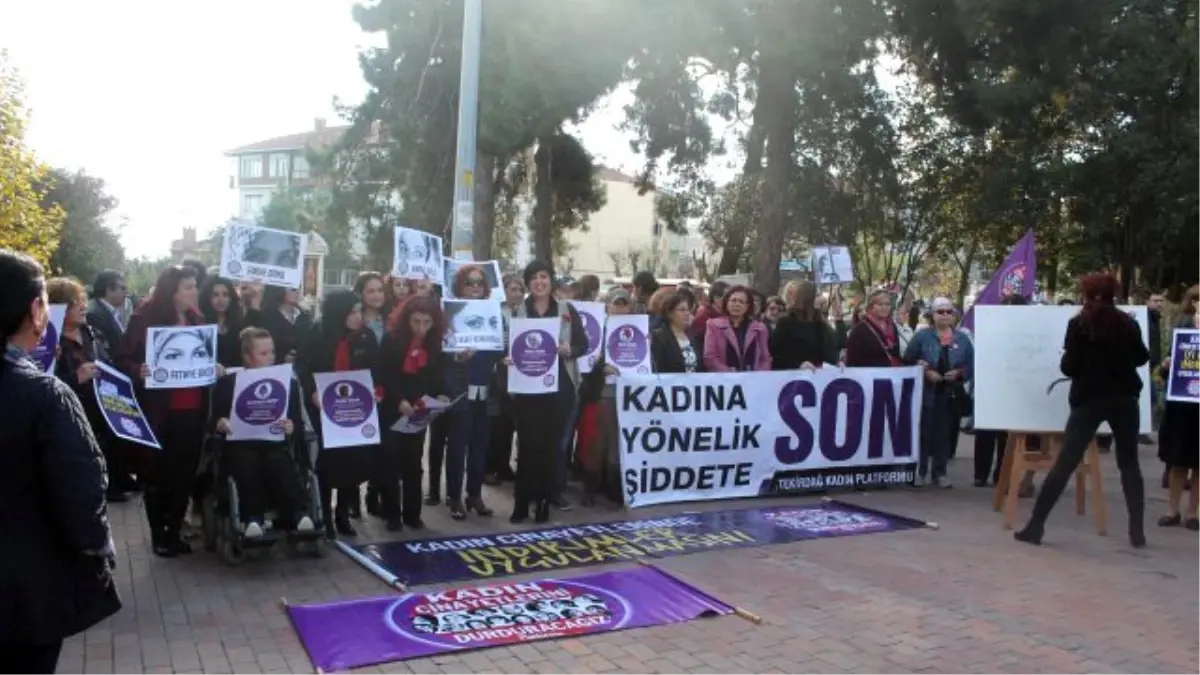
{"x":411,"y":367}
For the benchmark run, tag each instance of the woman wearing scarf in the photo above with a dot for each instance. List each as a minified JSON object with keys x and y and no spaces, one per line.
{"x":411,"y":367}
{"x":542,"y":419}
{"x":341,"y":342}
{"x":873,"y":342}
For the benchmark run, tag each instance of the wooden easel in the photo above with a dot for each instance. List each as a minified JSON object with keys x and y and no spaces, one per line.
{"x":1019,"y":458}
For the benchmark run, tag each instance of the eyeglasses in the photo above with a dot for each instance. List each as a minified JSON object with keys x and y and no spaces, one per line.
{"x":943,"y":312}
{"x":475,"y":282}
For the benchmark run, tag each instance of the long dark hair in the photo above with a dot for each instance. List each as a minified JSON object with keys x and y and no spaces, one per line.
{"x":1099,"y":316}
{"x":234,"y":314}
{"x":159,"y":309}
{"x":273,"y":297}
{"x":334,"y":310}
{"x":399,"y":325}
{"x":22,"y":280}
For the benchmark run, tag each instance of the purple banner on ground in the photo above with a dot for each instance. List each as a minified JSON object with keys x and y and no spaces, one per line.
{"x":490,"y":556}
{"x":358,"y":633}
{"x":1017,"y":275}
{"x":1183,"y":378}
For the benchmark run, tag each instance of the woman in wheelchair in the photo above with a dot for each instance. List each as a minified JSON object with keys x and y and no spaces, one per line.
{"x":264,"y":472}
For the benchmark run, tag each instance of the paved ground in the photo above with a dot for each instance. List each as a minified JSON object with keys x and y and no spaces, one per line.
{"x":965,"y":598}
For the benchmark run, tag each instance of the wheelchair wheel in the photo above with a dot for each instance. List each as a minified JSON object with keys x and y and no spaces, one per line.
{"x":209,"y":512}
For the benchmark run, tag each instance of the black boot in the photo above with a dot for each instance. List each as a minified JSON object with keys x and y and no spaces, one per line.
{"x":153,"y":502}
{"x":476,"y":504}
{"x":341,"y":518}
{"x":373,"y":501}
{"x":520,"y":512}
{"x":542,"y":515}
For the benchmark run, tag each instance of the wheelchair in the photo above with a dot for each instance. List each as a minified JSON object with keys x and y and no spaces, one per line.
{"x":222,"y":518}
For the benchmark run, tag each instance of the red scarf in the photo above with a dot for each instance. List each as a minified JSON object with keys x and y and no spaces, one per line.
{"x":341,"y":356}
{"x":887,"y":332}
{"x":415,"y":358}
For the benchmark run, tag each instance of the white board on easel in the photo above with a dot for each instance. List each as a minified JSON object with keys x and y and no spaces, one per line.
{"x":1018,"y":349}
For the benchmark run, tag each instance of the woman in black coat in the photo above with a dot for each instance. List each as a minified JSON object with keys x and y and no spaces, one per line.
{"x":803,"y":339}
{"x":672,"y":350}
{"x":341,"y":342}
{"x":57,"y":567}
{"x":287,"y":323}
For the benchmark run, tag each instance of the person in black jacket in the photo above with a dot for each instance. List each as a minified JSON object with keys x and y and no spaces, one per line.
{"x":803,"y":339}
{"x":264,"y":471}
{"x":410,"y":368}
{"x":285,"y":321}
{"x":672,"y":349}
{"x":220,"y":305}
{"x":104,"y":311}
{"x":57,"y":567}
{"x":341,"y":342}
{"x":1102,"y":352}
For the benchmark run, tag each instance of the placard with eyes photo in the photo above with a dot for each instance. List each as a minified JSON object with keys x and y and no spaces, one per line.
{"x":262,"y":254}
{"x":418,"y":255}
{"x":473,"y":324}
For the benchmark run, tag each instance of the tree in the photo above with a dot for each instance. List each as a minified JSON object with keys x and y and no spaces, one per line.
{"x":25,"y":224}
{"x":87,"y":245}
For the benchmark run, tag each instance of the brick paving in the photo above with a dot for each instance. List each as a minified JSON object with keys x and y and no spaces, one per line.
{"x":965,"y":598}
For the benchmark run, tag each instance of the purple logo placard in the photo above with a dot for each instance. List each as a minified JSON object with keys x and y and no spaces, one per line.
{"x":47,"y":350}
{"x":534,"y":352}
{"x":627,"y":346}
{"x":261,"y":403}
{"x":824,"y":522}
{"x":348,"y":403}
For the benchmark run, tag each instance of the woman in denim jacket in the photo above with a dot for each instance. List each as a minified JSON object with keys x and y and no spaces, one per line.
{"x":949,"y":360}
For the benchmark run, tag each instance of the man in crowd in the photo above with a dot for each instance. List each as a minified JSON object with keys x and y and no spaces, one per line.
{"x":644,"y":286}
{"x":105,"y":312}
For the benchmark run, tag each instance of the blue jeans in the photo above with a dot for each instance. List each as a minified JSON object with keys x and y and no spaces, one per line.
{"x":563,"y":467}
{"x":935,"y":437}
{"x":470,"y":435}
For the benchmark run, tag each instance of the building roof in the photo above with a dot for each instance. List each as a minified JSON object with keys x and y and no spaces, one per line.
{"x":614,"y":176}
{"x":316,"y":138}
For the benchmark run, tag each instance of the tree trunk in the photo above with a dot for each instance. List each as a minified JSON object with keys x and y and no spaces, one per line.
{"x":485,"y":206}
{"x":543,"y":207}
{"x":735,"y":242}
{"x":964,"y":273}
{"x":777,"y":99}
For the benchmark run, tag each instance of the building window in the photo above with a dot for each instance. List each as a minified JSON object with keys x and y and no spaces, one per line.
{"x":251,"y":205}
{"x":252,"y":166}
{"x":279,"y":165}
{"x":300,"y":167}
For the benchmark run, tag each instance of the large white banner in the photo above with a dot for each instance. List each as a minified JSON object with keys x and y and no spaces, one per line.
{"x":690,"y":437}
{"x":1018,"y":383}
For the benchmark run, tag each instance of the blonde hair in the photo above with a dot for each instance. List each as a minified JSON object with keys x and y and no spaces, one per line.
{"x":65,"y":291}
{"x":655,"y":305}
{"x":803,"y":302}
{"x":249,"y":335}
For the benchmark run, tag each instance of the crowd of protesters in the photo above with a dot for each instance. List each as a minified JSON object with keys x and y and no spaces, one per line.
{"x":393,"y":327}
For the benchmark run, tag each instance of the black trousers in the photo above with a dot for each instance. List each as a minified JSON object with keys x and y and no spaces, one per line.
{"x":1123,"y":416}
{"x":399,"y":475}
{"x":989,"y":454}
{"x":439,"y":436}
{"x":540,"y":420}
{"x":266,"y":478}
{"x":499,"y":459}
{"x":35,"y":659}
{"x":166,"y":501}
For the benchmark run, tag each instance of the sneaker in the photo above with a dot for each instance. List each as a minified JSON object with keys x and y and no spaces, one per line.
{"x":919,"y":481}
{"x":254,"y":531}
{"x":942,"y":482}
{"x":561,"y":503}
{"x":305,"y":525}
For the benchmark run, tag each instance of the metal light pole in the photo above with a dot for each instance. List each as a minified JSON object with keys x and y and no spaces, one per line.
{"x":463,"y":230}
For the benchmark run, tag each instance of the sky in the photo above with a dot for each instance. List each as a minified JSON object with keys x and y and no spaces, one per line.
{"x":149,"y":97}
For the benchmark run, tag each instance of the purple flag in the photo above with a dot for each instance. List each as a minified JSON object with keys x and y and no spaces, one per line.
{"x":1016,"y":276}
{"x":344,"y":635}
